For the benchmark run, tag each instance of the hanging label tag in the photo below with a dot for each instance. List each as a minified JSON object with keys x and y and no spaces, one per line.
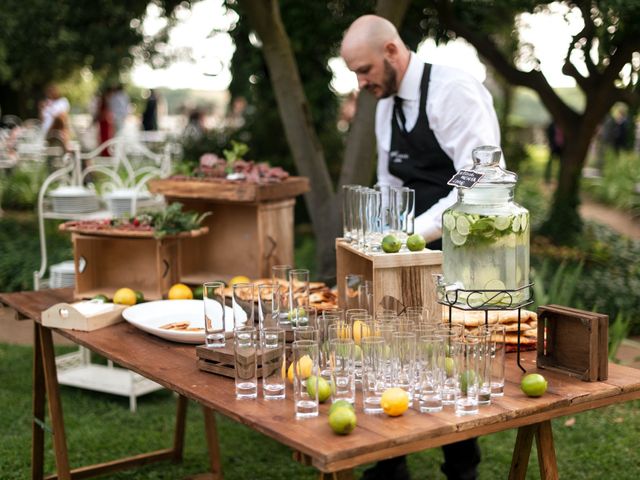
{"x":465,"y":179}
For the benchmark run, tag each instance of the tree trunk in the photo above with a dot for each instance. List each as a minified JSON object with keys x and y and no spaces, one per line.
{"x":264,"y":17}
{"x":564,"y":224}
{"x":322,"y":202}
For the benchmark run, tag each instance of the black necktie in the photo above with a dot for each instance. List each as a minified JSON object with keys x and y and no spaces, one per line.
{"x":398,"y":113}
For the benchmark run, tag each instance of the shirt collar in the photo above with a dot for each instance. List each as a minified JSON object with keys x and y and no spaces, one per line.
{"x":410,"y":84}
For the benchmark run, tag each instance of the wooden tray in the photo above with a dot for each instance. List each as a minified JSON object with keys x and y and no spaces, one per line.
{"x":574,"y":342}
{"x":119,"y":233}
{"x":221,"y":361}
{"x":229,"y":191}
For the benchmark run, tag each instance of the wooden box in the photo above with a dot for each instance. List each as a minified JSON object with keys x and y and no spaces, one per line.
{"x":221,"y":360}
{"x":250,"y":229}
{"x":574,"y":342}
{"x":85,"y":316}
{"x":399,"y":279}
{"x":104,"y":264}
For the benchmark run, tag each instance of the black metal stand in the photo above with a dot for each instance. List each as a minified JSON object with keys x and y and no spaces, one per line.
{"x":486,"y":300}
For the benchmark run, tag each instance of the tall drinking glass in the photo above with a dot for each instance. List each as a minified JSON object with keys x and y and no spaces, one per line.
{"x":269,"y":305}
{"x":372,"y":220}
{"x":483,"y":361}
{"x":352,"y":284}
{"x":373,"y":373}
{"x":403,"y":359}
{"x":387,"y":218}
{"x":404,"y":210}
{"x":280,"y":275}
{"x":242,"y":304}
{"x":305,"y":369}
{"x":468,"y":353}
{"x":298,"y":288}
{"x":273,"y":358}
{"x":343,"y":369}
{"x":246,"y":361}
{"x":365,"y":295}
{"x":452,"y":344}
{"x":497,"y":352}
{"x":214,"y":314}
{"x":347,"y":218}
{"x":432,"y":372}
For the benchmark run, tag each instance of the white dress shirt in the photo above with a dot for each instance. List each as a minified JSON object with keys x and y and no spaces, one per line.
{"x":460,"y":113}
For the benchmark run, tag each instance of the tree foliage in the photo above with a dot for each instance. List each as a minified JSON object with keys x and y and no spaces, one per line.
{"x":43,"y":41}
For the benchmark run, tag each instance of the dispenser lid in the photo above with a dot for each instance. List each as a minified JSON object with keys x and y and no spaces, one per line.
{"x":486,"y":160}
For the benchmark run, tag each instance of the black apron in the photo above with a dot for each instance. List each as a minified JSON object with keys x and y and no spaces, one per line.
{"x":416,"y":158}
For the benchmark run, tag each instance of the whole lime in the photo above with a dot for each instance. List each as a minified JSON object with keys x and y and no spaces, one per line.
{"x":324,"y":388}
{"x":416,"y":242}
{"x":449,"y":366}
{"x":100,"y":298}
{"x":391,"y":244}
{"x":198,"y":292}
{"x":533,"y":385}
{"x":342,"y":420}
{"x":340,"y":404}
{"x":139,"y":296}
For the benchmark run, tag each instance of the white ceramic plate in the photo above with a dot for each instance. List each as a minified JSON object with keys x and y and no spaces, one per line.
{"x":150,"y":316}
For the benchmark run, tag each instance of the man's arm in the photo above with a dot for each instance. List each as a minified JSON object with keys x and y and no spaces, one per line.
{"x":462,"y":118}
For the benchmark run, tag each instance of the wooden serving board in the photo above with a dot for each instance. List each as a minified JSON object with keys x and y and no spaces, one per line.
{"x":223,"y":190}
{"x":120,"y":233}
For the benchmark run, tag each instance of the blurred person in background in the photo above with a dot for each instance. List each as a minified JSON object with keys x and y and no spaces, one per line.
{"x":54,"y":115}
{"x":119,"y":105}
{"x":104,"y":118}
{"x":150,"y":114}
{"x":195,"y":126}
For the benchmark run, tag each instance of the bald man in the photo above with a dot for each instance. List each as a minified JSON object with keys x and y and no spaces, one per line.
{"x":428,"y":120}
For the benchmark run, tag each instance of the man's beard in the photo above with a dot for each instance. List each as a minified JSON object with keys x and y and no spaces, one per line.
{"x":389,"y":85}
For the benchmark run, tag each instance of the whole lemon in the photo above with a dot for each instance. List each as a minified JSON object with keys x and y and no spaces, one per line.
{"x":342,"y":420}
{"x":239,"y":279}
{"x":180,"y":291}
{"x":533,"y":385}
{"x":305,"y":365}
{"x":125,"y":296}
{"x":394,"y":401}
{"x":391,"y":244}
{"x":360,"y":330}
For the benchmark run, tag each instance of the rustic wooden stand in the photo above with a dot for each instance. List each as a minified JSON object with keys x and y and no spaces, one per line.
{"x":404,"y":279}
{"x":250,"y":229}
{"x":105,"y":261}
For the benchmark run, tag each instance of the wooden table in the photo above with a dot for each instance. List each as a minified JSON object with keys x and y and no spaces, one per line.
{"x":376,"y":437}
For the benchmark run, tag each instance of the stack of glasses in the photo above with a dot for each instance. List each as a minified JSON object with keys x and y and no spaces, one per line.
{"x":369,"y":214}
{"x":282,"y":304}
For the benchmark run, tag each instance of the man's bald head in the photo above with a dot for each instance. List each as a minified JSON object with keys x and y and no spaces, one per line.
{"x":370,"y":31}
{"x":373,"y":49}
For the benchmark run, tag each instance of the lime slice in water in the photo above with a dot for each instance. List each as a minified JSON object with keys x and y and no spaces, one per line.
{"x":448,"y":221}
{"x":462,"y":226}
{"x":524,"y":221}
{"x":515,"y":226}
{"x":456,"y":238}
{"x":502,"y":223}
{"x":494,"y":297}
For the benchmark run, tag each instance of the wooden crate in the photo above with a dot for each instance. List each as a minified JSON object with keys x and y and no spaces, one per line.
{"x":574,"y":342}
{"x":103,"y":264}
{"x":250,"y":229}
{"x":221,"y":190}
{"x":404,"y":278}
{"x":221,"y":360}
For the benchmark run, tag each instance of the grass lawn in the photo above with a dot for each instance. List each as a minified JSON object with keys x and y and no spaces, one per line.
{"x":100,"y":428}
